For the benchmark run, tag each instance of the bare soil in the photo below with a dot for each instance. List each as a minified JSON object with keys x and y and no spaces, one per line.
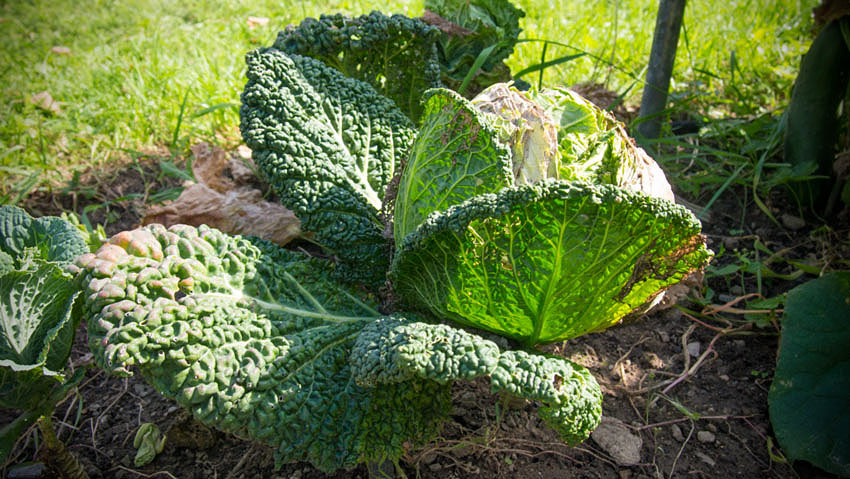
{"x":692,"y":389}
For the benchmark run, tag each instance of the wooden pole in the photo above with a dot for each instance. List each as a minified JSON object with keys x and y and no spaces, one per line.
{"x":668,"y":23}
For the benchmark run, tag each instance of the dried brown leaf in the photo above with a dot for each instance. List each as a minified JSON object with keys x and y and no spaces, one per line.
{"x":447,"y":26}
{"x":257,"y":22}
{"x":46,"y":102}
{"x":60,"y":50}
{"x":222,"y":199}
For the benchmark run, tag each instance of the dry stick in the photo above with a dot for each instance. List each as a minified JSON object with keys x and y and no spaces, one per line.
{"x":119,"y":396}
{"x":679,"y":454}
{"x":138,"y":473}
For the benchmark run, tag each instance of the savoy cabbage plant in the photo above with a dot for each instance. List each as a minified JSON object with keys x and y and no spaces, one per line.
{"x":429,"y":234}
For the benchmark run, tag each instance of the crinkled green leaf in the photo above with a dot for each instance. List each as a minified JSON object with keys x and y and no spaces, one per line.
{"x":149,"y":442}
{"x":36,"y":332}
{"x":253,"y":340}
{"x":328,"y":144}
{"x":483,"y":24}
{"x":455,"y":156}
{"x":810,"y":395}
{"x":596,"y":148}
{"x":547,"y":262}
{"x":395,"y":54}
{"x":261,"y":342}
{"x":392,"y":350}
{"x":55,"y":239}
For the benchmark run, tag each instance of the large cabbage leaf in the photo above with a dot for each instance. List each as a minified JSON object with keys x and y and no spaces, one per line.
{"x":455,"y":156}
{"x":259,"y":341}
{"x":547,"y":262}
{"x":36,"y":332}
{"x":37,"y":298}
{"x":328,"y":144}
{"x":395,"y":54}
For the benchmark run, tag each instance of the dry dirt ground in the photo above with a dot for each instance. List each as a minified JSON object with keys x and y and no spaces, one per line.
{"x":683,"y":397}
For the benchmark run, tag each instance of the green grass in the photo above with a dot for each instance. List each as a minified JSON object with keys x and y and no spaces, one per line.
{"x":131,"y":64}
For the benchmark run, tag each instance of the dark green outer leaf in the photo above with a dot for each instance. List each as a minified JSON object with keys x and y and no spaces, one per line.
{"x":395,"y":54}
{"x":36,"y":331}
{"x":328,"y":145}
{"x":454,"y":157}
{"x":810,"y":395}
{"x":391,"y":350}
{"x":258,"y":341}
{"x":547,"y":262}
{"x":222,"y":325}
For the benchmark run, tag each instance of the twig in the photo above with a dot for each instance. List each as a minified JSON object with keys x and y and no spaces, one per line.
{"x":681,"y":449}
{"x":138,"y":473}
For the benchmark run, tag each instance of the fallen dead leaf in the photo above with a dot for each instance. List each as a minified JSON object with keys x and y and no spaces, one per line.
{"x":223,"y":199}
{"x":257,"y":22}
{"x":46,"y":102}
{"x":60,"y":50}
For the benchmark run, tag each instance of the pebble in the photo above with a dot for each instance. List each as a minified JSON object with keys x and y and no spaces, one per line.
{"x":36,"y":470}
{"x":624,"y":474}
{"x":705,"y":458}
{"x":736,"y":290}
{"x":739,"y":343}
{"x":724,"y":377}
{"x":694,"y":348}
{"x":725,"y":298}
{"x":712,"y":427}
{"x":792,"y":222}
{"x":677,"y":432}
{"x":664,"y":336}
{"x":706,"y":436}
{"x":618,"y":441}
{"x":142,"y":390}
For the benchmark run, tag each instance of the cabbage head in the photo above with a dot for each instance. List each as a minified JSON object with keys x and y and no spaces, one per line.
{"x":504,"y":225}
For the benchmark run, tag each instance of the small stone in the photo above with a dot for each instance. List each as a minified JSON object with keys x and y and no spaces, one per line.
{"x":429,"y":458}
{"x":618,"y":441}
{"x":664,"y":336}
{"x":142,"y":390}
{"x":624,"y":474}
{"x":705,"y":458}
{"x":694,"y":348}
{"x":736,"y":290}
{"x":677,"y":432}
{"x":739,"y":343}
{"x":705,"y":436}
{"x":35,"y":470}
{"x":435,"y":467}
{"x":712,"y":427}
{"x":730,"y":242}
{"x":792,"y":222}
{"x":724,"y":377}
{"x":725,"y":298}
{"x":244,"y":152}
